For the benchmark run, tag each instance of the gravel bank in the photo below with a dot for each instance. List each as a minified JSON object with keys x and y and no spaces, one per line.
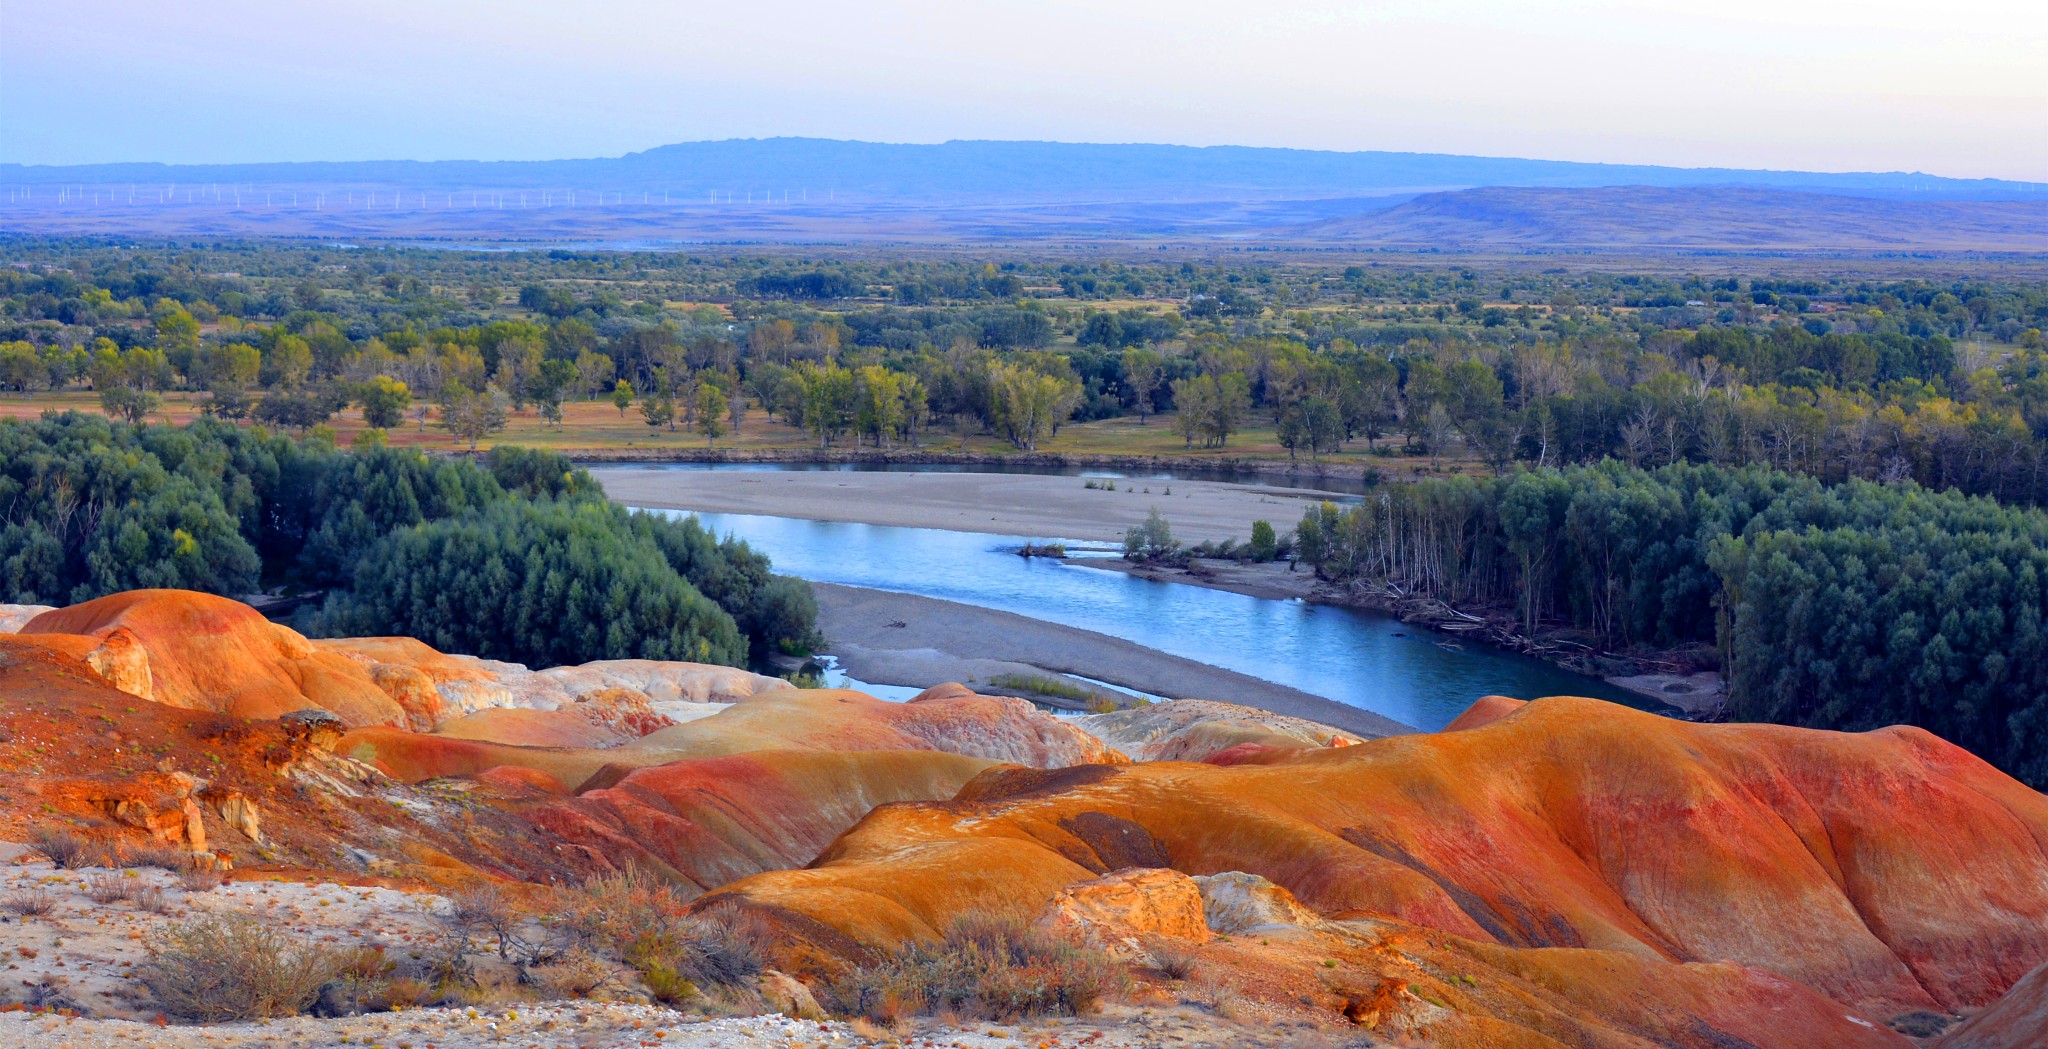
{"x":1002,"y":504}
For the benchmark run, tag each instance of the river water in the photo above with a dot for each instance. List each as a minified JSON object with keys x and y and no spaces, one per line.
{"x":1366,"y":660}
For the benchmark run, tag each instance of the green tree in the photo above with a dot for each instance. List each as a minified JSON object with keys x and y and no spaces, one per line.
{"x":622,"y":396}
{"x":711,"y":409}
{"x":1152,"y":540}
{"x":472,"y":415}
{"x":1265,"y":544}
{"x":385,"y":401}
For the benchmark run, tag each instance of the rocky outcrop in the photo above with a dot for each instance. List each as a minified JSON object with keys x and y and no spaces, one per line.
{"x":1116,"y":911}
{"x":1199,"y":729}
{"x":212,"y":653}
{"x":13,"y":617}
{"x":203,"y":652}
{"x":1888,"y":870}
{"x":1240,"y":904}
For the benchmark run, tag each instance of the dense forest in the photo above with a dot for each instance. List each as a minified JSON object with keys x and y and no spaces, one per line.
{"x":498,"y":559}
{"x":1851,"y":606}
{"x":1941,"y":381}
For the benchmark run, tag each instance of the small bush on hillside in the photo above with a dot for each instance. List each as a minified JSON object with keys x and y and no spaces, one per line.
{"x":32,"y":902}
{"x":646,"y":923}
{"x":109,"y":888}
{"x":987,"y":967}
{"x":199,"y":880}
{"x":234,"y":967}
{"x":66,"y":850}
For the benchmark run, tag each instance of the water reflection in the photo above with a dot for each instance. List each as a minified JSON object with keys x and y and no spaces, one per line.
{"x":1369,"y":661}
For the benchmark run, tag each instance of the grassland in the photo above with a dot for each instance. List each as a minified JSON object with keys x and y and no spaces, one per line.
{"x":597,"y":429}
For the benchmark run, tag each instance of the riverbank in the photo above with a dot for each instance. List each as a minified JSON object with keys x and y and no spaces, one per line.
{"x":1674,"y":679}
{"x":1292,"y":471}
{"x":1038,"y":506}
{"x":903,"y":639}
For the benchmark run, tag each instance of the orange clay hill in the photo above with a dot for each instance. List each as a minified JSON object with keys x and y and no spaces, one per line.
{"x":1557,"y":844}
{"x":1558,"y":873}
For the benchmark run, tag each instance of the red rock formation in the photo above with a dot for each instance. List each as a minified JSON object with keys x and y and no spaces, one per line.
{"x":709,"y":821}
{"x":2018,"y":1020}
{"x":1888,"y":870}
{"x":212,"y":653}
{"x":993,"y":727}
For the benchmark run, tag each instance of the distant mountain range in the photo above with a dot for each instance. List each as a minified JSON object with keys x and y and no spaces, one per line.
{"x":811,"y":190}
{"x":1012,"y":171}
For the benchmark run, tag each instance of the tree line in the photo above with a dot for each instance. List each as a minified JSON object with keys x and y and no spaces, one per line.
{"x":1848,"y":606}
{"x":502,"y":558}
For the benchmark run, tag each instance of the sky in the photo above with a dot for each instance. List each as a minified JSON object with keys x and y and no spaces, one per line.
{"x":1958,"y":88}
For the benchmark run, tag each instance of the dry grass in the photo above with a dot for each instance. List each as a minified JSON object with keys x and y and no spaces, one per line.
{"x":65,"y":849}
{"x":1175,"y":961}
{"x":109,"y":887}
{"x":31,"y":902}
{"x":196,"y":880}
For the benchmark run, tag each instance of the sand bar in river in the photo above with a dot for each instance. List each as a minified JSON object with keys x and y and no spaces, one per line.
{"x":1030,"y":505}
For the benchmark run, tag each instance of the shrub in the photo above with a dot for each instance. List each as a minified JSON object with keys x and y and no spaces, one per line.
{"x":647,"y":924}
{"x":1173,"y":960}
{"x":32,"y":902}
{"x":233,"y":967}
{"x":986,"y":966}
{"x":199,"y":880}
{"x":151,"y":898}
{"x":66,"y":850}
{"x":162,"y":857}
{"x":109,"y":888}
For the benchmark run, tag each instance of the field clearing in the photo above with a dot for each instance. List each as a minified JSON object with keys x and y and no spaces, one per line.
{"x":598,"y":427}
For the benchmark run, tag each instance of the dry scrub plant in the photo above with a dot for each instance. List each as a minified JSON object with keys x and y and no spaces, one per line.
{"x":234,"y":967}
{"x":646,"y":923}
{"x":66,"y":850}
{"x":31,"y":902}
{"x":988,"y":967}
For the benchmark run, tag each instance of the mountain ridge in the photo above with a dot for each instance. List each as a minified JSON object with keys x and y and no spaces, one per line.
{"x":1012,"y":169}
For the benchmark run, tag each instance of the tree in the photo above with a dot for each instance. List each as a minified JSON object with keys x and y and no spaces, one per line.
{"x":659,"y":409}
{"x":1437,"y":430}
{"x":880,"y":414}
{"x":299,"y":410}
{"x":1029,"y":403}
{"x":385,"y":400}
{"x":129,"y":403}
{"x":829,"y":399}
{"x":736,"y":409}
{"x":287,"y":363}
{"x":711,"y":409}
{"x":1152,"y":540}
{"x":622,"y":396}
{"x":1143,"y":372}
{"x":548,"y":385}
{"x":1312,"y":423}
{"x":1265,"y":544}
{"x":472,"y":415}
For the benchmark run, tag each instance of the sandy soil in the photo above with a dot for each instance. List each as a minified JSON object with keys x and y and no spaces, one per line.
{"x":81,"y":955}
{"x":1002,"y":504}
{"x":603,"y":1025}
{"x":942,"y":641}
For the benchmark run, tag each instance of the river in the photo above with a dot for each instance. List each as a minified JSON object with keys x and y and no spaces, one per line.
{"x":1370,"y":661}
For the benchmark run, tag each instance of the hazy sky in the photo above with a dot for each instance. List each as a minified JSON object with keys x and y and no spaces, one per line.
{"x":1953,"y":88}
